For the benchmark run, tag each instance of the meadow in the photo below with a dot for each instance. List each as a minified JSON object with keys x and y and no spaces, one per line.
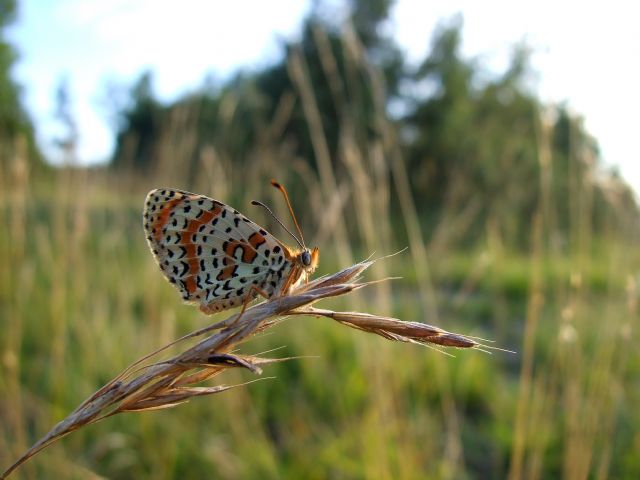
{"x":82,"y":299}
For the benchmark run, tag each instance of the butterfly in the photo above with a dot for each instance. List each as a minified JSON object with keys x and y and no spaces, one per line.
{"x":218,"y":258}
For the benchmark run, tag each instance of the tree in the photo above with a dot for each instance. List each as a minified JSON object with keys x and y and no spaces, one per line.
{"x":339,"y":85}
{"x":479,"y":138}
{"x":139,"y":127}
{"x":472,"y":138}
{"x":14,"y":122}
{"x":67,"y":141}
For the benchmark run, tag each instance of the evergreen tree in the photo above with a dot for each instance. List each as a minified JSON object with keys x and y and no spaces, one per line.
{"x":14,"y":122}
{"x":139,"y":128}
{"x":474,"y":141}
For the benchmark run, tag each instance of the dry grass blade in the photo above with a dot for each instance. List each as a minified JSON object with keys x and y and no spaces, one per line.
{"x":171,"y":382}
{"x":394,"y":329}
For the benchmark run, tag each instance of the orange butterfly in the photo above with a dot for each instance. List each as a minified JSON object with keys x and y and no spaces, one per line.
{"x":218,"y":258}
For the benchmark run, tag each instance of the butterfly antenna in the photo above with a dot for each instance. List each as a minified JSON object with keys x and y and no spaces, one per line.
{"x":260,"y":204}
{"x":286,"y":197}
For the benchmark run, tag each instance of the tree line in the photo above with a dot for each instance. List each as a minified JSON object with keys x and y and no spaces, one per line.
{"x":472,"y":140}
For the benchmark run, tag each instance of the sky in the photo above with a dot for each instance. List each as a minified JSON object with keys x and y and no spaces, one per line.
{"x":584,"y":53}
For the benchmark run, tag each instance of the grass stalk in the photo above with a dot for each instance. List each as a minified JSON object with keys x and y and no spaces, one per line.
{"x":174,"y":381}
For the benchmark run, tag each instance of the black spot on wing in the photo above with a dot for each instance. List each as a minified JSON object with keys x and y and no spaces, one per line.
{"x":185,"y":268}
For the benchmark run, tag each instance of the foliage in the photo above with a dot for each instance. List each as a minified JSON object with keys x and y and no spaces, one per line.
{"x":16,"y":130}
{"x":82,"y":298}
{"x":139,"y":127}
{"x":516,"y":234}
{"x":471,"y":138}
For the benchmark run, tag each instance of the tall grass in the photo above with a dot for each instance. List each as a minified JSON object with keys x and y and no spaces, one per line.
{"x":81,"y":298}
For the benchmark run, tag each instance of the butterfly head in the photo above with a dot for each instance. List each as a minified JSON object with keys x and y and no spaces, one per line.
{"x":305,"y":260}
{"x":308,"y":259}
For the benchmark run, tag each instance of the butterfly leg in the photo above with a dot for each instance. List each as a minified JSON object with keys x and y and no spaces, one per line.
{"x":293,"y":275}
{"x":249,"y":298}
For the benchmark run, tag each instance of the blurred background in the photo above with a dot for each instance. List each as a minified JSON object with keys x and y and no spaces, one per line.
{"x":497,"y":141}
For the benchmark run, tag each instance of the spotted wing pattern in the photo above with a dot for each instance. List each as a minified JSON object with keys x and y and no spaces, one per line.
{"x":212,"y":253}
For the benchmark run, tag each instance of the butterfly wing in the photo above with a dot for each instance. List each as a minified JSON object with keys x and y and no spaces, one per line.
{"x":212,"y":253}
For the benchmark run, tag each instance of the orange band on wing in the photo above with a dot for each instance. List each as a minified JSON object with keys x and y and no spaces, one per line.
{"x":248,"y":253}
{"x":163,"y":217}
{"x":190,"y":283}
{"x":194,"y":268}
{"x":190,"y":249}
{"x":204,"y":218}
{"x":256,"y":240}
{"x":227,"y":273}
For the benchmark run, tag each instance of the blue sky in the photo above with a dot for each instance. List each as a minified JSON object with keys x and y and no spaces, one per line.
{"x":584,"y":52}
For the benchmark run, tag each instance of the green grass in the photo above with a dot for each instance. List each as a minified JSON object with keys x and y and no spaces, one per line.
{"x":82,"y":298}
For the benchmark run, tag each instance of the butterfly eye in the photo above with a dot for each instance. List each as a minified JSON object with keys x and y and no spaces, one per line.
{"x":306,"y":258}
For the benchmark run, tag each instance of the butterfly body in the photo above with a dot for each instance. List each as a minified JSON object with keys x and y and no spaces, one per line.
{"x":217,"y":257}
